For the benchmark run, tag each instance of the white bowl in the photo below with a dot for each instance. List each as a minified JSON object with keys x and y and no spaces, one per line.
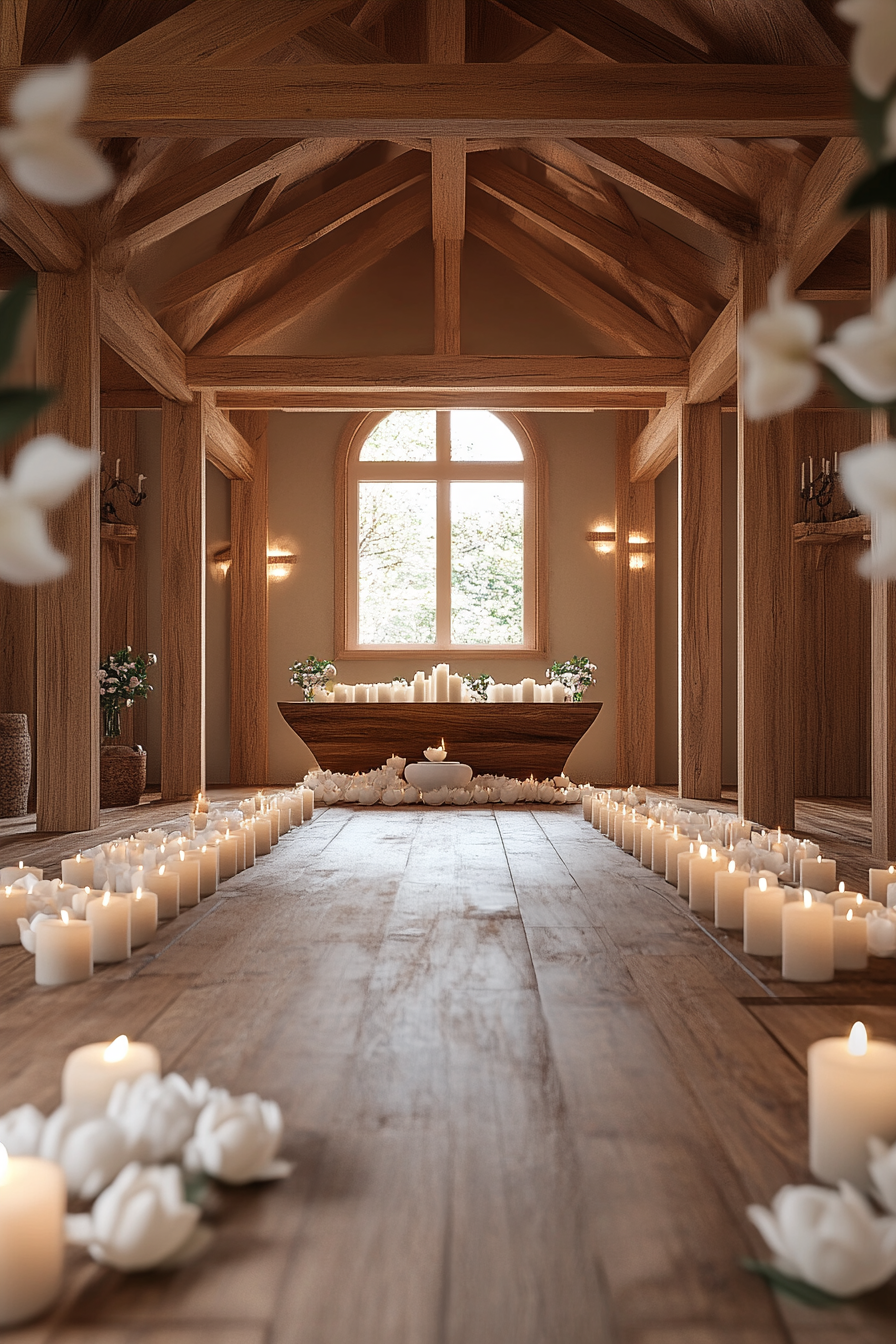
{"x":427,"y":775}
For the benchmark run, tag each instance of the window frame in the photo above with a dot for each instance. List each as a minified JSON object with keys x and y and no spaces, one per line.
{"x":350,"y":471}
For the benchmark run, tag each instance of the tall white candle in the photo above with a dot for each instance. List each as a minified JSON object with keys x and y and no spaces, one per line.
{"x":527,"y":691}
{"x":188,"y":880}
{"x":91,"y":1072}
{"x":207,"y":860}
{"x":419,"y":688}
{"x":307,"y":804}
{"x":262,"y":835}
{"x":852,"y":1098}
{"x":730,"y":886}
{"x":675,"y":845}
{"x":878,"y":881}
{"x":440,"y":682}
{"x":455,"y":688}
{"x":818,"y":873}
{"x":144,"y":916}
{"x":273,"y":816}
{"x":701,"y":881}
{"x":63,"y":951}
{"x":684,"y":868}
{"x":78,"y":871}
{"x":763,"y":906}
{"x":13,"y":907}
{"x":165,"y":882}
{"x":111,"y":920}
{"x":807,"y":941}
{"x":226,"y":856}
{"x":32,"y":1214}
{"x":588,"y":799}
{"x":661,"y":837}
{"x":248,"y":829}
{"x":850,"y":943}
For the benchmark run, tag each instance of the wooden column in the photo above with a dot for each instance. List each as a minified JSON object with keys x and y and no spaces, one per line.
{"x":700,"y":602}
{"x":182,"y":655}
{"x":635,"y":613}
{"x":249,"y":608}
{"x":67,"y":643}
{"x":766,"y":512}
{"x":883,"y":612}
{"x":446,"y":44}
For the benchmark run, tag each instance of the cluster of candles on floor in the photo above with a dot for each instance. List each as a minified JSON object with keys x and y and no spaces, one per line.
{"x":442,"y":686}
{"x":110,"y":899}
{"x":732,"y":873}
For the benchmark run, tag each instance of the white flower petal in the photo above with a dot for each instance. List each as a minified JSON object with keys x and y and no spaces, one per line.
{"x":48,"y":469}
{"x":26,"y":553}
{"x":773,"y":386}
{"x":868,"y":475}
{"x":57,"y":91}
{"x":59,"y":169}
{"x":874,"y":45}
{"x":868,"y":367}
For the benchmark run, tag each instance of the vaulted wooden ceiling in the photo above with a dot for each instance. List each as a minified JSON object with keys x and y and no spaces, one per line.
{"x":619,"y":156}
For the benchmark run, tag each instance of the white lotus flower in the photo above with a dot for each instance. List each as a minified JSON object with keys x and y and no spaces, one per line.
{"x":882,"y":1166}
{"x":236,"y":1140}
{"x":874,"y":45}
{"x":26,"y":929}
{"x":880,"y":926}
{"x":367,"y":795}
{"x":91,"y":1151}
{"x":391,"y":797}
{"x":863,"y":351}
{"x":828,"y":1238}
{"x":157,"y":1114}
{"x":869,"y":480}
{"x":42,"y":155}
{"x":411,"y":795}
{"x":481,"y":796}
{"x":140,"y":1221}
{"x":43,"y":475}
{"x":20,"y":1130}
{"x":778,"y":349}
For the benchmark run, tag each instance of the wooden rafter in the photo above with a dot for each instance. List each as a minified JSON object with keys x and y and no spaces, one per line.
{"x":12,"y":31}
{"x":331,"y":40}
{"x":657,"y":444}
{"x":820,"y":223}
{"x":226,"y":447}
{"x":135,"y":335}
{"x":36,"y":233}
{"x":370,"y":13}
{"x":375,"y":399}
{"x":714,"y":362}
{"x":613,"y":29}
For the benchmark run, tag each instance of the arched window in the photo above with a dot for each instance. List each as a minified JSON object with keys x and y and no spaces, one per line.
{"x":440,"y":536}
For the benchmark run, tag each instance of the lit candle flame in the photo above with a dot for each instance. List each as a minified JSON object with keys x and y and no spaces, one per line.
{"x":763,"y":884}
{"x":731,"y":866}
{"x":858,"y":1040}
{"x":9,"y":891}
{"x":807,"y":899}
{"x":842,"y":886}
{"x":107,"y":898}
{"x":703,"y":851}
{"x":63,"y":915}
{"x":115,"y":1052}
{"x":818,"y":858}
{"x":714,"y":856}
{"x":848,"y":915}
{"x":859,"y":898}
{"x":162,"y":871}
{"x":138,"y":894}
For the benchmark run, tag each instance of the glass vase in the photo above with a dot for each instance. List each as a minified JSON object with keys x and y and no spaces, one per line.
{"x":111,"y":720}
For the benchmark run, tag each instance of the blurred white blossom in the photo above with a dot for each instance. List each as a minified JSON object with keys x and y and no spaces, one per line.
{"x":868,"y":475}
{"x":91,"y":1151}
{"x":882,"y":1166}
{"x":157,"y":1114}
{"x":863,"y":351}
{"x":139,"y":1222}
{"x":44,"y":474}
{"x":236,"y":1140}
{"x":20,"y":1130}
{"x":778,"y":349}
{"x":874,"y":45}
{"x":42,"y":155}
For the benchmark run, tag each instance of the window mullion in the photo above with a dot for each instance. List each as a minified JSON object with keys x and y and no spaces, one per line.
{"x":443,"y":563}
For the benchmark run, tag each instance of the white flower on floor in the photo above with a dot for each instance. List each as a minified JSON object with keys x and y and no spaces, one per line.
{"x":436,"y":797}
{"x":42,"y":155}
{"x":778,"y":349}
{"x":91,"y":1151}
{"x":882,"y":1166}
{"x":881,"y":929}
{"x":869,"y":481}
{"x":139,"y":1222}
{"x":829,"y":1238}
{"x":157,"y":1114}
{"x":43,"y":475}
{"x":20,"y":1130}
{"x":236,"y":1140}
{"x":874,"y":45}
{"x":863,"y":351}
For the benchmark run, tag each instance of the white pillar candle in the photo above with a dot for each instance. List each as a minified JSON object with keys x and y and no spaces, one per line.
{"x":13,"y":907}
{"x":638,"y":837}
{"x":675,"y":846}
{"x":807,"y":940}
{"x":91,"y":1072}
{"x":78,"y":871}
{"x":856,"y":902}
{"x":527,"y":690}
{"x":455,"y":689}
{"x":558,"y":692}
{"x":20,"y":870}
{"x":645,"y":854}
{"x":850,"y":943}
{"x":262,"y":835}
{"x":818,"y":873}
{"x":701,"y":881}
{"x":144,"y":916}
{"x":852,"y":1098}
{"x":628,"y":833}
{"x":617,"y":821}
{"x":360,"y":695}
{"x":207,"y":860}
{"x":684,"y":868}
{"x":384,"y":693}
{"x":283,"y":812}
{"x":763,"y":906}
{"x":273,"y":816}
{"x":891,"y":896}
{"x":188,"y":880}
{"x":226,"y":856}
{"x":419,"y":688}
{"x":32,"y":1218}
{"x":588,"y":799}
{"x":165,"y":882}
{"x":878,"y":881}
{"x":307,"y":804}
{"x":248,"y":829}
{"x":600,"y":817}
{"x":63,"y":951}
{"x":111,"y":920}
{"x":730,"y":886}
{"x":517,"y":693}
{"x":440,"y":675}
{"x":661,"y":837}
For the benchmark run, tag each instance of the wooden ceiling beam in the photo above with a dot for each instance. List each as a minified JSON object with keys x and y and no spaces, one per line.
{"x":370,"y":13}
{"x":376,"y":400}
{"x":446,"y":38}
{"x":611,"y":28}
{"x":35,"y":233}
{"x":602,"y":310}
{"x":671,"y":183}
{"x":820,"y":223}
{"x":474,"y":100}
{"x":332,"y":40}
{"x":226,"y":447}
{"x":13,"y":14}
{"x":265,"y":318}
{"x":657,"y":444}
{"x":471,"y":374}
{"x":714,"y":363}
{"x":135,"y":335}
{"x":301,"y":227}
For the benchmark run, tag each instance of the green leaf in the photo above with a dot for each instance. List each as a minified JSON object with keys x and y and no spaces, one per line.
{"x":878,"y":188}
{"x":795,"y":1288}
{"x":871,"y":114}
{"x":13,"y":308}
{"x":18,"y":405}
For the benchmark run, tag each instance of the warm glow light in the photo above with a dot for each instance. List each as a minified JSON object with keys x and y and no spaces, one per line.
{"x":859,"y":898}
{"x":848,"y":915}
{"x":116,"y":1052}
{"x":107,"y":898}
{"x":807,"y":899}
{"x":714,"y":856}
{"x":635,"y":539}
{"x":818,"y":858}
{"x":9,"y":891}
{"x":4,"y":1163}
{"x":858,"y":1040}
{"x":63,"y":915}
{"x":138,"y":894}
{"x":78,"y":857}
{"x":637,"y":562}
{"x":731,"y":867}
{"x":162,"y":870}
{"x":763,"y":884}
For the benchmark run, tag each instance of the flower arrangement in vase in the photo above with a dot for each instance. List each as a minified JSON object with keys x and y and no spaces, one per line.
{"x":575,"y":675}
{"x":123,"y":678}
{"x":313,"y":674}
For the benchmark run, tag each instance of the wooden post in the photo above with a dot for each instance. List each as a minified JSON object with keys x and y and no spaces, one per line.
{"x":67,"y":643}
{"x":700,"y":602}
{"x":766,"y":512}
{"x":635,"y":613}
{"x":249,"y":608}
{"x":182,"y":656}
{"x":446,"y":44}
{"x":883,"y":612}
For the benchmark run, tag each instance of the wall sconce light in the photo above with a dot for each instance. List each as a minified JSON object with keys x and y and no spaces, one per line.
{"x":222,"y":561}
{"x":279,"y":563}
{"x":603,"y":539}
{"x":638,"y":549}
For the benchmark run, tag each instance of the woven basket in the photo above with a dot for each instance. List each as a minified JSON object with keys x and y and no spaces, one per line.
{"x":15,"y":765}
{"x":122,"y":776}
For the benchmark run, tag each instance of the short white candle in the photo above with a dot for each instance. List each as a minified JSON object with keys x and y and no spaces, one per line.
{"x":527,"y":690}
{"x":850,"y":943}
{"x":226,"y":856}
{"x":78,"y":871}
{"x":165,"y":882}
{"x":248,"y":829}
{"x":456,"y":689}
{"x":144,"y":916}
{"x":701,"y":880}
{"x":63,"y":951}
{"x":239,"y":836}
{"x":684,"y":867}
{"x":206,"y":859}
{"x":199,"y":821}
{"x":763,"y":906}
{"x":32,"y":1215}
{"x":20,"y":870}
{"x":13,"y":907}
{"x":852,"y":1098}
{"x":730,"y":886}
{"x":642,"y":827}
{"x":262,"y":829}
{"x":818,"y":873}
{"x":661,"y":837}
{"x":878,"y":881}
{"x":436,"y":753}
{"x":273,"y":816}
{"x":285,"y":820}
{"x":111,"y":920}
{"x":588,"y":799}
{"x":807,"y":940}
{"x":600,"y":817}
{"x":675,"y":846}
{"x":91,"y":1072}
{"x":307,"y":804}
{"x":856,"y":902}
{"x":188,"y":880}
{"x":628,"y":833}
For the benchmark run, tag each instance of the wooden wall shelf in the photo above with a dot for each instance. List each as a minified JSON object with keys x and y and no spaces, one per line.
{"x":825,"y":535}
{"x":119,"y":537}
{"x":515,"y":740}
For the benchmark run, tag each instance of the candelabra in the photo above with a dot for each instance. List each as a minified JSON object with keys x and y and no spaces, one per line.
{"x":821,"y":494}
{"x":115,"y":489}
